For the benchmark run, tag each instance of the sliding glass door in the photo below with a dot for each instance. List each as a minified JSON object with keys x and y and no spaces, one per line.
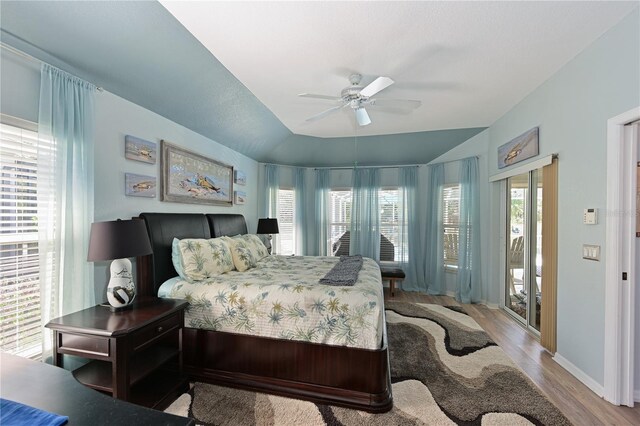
{"x":523,"y":295}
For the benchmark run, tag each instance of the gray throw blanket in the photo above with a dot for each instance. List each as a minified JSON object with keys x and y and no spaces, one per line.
{"x":345,"y":272}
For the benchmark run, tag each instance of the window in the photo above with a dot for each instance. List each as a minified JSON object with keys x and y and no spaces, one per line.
{"x":286,"y":239}
{"x":339,"y":222}
{"x":451,"y":222}
{"x":391,"y":230}
{"x":20,"y":327}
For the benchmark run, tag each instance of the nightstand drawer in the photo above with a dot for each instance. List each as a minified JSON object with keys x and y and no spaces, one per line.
{"x":155,"y":331}
{"x":84,"y":346}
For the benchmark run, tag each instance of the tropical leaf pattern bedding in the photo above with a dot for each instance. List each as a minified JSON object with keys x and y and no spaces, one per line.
{"x":281,"y":298}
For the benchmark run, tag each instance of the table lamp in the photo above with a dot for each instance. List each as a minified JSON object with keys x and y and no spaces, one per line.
{"x":118,"y":240}
{"x":268,"y":226}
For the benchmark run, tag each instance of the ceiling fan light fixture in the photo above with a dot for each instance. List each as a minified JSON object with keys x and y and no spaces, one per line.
{"x":357,"y":97}
{"x":362,"y":117}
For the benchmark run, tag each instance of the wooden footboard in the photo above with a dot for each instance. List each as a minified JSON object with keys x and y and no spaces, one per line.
{"x":348,"y":377}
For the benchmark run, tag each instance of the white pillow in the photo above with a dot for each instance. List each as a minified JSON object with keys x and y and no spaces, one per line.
{"x":246,"y":251}
{"x":199,"y":259}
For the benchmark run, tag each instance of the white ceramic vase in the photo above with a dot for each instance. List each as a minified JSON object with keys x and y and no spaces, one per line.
{"x":121,"y":290}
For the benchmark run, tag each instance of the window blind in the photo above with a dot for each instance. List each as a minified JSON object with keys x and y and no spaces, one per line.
{"x":20,"y":319}
{"x":390,"y":226}
{"x":451,"y":222}
{"x":286,"y":225}
{"x":339,"y":222}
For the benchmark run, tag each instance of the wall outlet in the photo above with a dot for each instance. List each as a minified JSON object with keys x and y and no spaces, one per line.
{"x":590,"y":252}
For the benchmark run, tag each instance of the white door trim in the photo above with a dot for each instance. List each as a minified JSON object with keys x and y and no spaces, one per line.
{"x":619,"y":295}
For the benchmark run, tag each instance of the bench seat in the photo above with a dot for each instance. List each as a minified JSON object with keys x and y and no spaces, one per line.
{"x":392,"y":273}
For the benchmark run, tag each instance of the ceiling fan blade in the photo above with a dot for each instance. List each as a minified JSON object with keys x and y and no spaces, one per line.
{"x":311,"y":95}
{"x":400,"y":103}
{"x":362,"y":117}
{"x":377,"y":85}
{"x":324,"y":113}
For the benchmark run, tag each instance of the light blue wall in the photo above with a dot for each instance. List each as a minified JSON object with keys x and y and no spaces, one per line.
{"x":572,"y":109}
{"x":115,"y":118}
{"x":404,"y":148}
{"x":19,"y":86}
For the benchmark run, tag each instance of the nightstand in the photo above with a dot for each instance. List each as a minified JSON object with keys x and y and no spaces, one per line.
{"x":136,"y":355}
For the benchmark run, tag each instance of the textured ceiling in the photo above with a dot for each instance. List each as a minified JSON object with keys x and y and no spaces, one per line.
{"x":138,"y":51}
{"x":468,"y":62}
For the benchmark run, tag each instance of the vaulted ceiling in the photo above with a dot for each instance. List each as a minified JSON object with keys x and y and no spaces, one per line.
{"x":232,"y":71}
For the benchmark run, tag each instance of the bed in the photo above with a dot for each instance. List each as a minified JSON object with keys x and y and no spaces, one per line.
{"x":341,"y":369}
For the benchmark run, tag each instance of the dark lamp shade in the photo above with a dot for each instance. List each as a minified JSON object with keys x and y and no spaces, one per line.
{"x":268,"y":226}
{"x":118,"y":239}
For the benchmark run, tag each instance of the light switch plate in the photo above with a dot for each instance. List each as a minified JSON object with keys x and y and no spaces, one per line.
{"x":590,"y":252}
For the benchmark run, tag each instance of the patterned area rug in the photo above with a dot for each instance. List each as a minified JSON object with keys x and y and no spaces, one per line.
{"x":445,"y":371}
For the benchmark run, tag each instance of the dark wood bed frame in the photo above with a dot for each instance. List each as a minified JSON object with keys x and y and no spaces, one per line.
{"x":349,"y":377}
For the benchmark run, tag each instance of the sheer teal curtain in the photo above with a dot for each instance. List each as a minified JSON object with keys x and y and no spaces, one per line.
{"x":323,"y":187}
{"x":269,"y":193}
{"x":434,"y":250}
{"x":468,"y":283}
{"x":65,"y":194}
{"x":299,"y":186}
{"x":410,"y":247}
{"x":365,"y":214}
{"x":270,"y":190}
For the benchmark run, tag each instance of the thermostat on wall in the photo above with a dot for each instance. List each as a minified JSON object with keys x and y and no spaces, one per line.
{"x":590,"y":217}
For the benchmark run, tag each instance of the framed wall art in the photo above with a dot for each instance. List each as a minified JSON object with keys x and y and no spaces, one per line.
{"x":240,"y":197}
{"x":140,"y":150}
{"x":239,"y":178}
{"x":188,"y":177}
{"x":523,"y":147}
{"x":139,"y":185}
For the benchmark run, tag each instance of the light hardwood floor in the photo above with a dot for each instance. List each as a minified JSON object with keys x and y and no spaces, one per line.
{"x":575,"y":400}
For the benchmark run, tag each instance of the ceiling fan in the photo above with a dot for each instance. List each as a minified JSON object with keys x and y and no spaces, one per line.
{"x":357,"y":97}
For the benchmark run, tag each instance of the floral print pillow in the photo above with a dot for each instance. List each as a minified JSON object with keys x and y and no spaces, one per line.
{"x":200,"y":259}
{"x":246,"y":251}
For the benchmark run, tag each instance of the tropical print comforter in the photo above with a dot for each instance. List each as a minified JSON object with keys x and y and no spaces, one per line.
{"x":281,"y":298}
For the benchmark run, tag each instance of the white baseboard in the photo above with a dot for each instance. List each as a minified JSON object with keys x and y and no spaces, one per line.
{"x":596,"y":387}
{"x":636,"y":395}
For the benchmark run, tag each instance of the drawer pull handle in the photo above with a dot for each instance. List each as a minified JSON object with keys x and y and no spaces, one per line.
{"x":159,"y":329}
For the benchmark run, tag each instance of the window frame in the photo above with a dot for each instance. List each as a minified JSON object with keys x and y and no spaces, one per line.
{"x":347,"y":225}
{"x":26,"y":270}
{"x":330,"y":223}
{"x":283,"y":224}
{"x":450,"y":264}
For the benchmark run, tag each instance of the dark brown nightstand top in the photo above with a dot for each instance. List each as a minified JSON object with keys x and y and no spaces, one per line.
{"x":100,"y":321}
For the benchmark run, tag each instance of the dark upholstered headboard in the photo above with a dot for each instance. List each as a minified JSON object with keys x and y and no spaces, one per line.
{"x":164,"y":227}
{"x":226,"y":224}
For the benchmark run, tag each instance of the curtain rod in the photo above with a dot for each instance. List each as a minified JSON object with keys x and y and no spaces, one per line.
{"x":365,"y":167}
{"x":30,"y":58}
{"x":370,"y":167}
{"x":452,"y":161}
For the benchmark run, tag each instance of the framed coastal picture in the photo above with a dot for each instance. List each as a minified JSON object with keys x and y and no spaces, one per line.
{"x":240,"y":197}
{"x":140,"y":150}
{"x":188,"y":177}
{"x":139,"y":185}
{"x":239,"y":178}
{"x":523,"y":147}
